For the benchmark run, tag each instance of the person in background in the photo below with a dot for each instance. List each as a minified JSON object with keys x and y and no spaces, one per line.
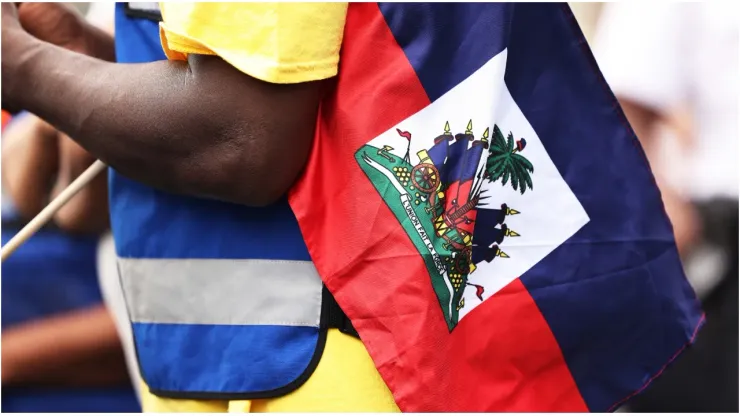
{"x":90,"y":208}
{"x":664,"y":61}
{"x":60,"y":348}
{"x":61,"y":351}
{"x":587,"y":15}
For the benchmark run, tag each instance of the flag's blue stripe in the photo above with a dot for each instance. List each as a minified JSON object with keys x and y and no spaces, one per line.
{"x":182,"y":358}
{"x":614,"y":295}
{"x":633,"y":304}
{"x":446,"y":42}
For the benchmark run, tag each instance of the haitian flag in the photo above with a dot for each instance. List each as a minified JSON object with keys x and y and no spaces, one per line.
{"x":481,"y":210}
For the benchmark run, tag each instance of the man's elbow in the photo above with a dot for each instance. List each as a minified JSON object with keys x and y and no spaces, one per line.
{"x":254,"y":152}
{"x":251,"y":178}
{"x":259,"y":189}
{"x":263,"y":196}
{"x":254,"y":186}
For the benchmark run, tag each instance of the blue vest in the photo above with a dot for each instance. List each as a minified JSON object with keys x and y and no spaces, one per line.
{"x":223,"y":298}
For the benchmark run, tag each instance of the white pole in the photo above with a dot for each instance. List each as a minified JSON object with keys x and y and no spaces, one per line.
{"x":48,"y":212}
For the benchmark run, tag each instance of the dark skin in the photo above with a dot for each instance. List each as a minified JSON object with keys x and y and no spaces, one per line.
{"x":199,"y":128}
{"x":35,"y":154}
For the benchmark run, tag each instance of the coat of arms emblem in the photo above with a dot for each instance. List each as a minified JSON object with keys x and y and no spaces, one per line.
{"x":438,"y":198}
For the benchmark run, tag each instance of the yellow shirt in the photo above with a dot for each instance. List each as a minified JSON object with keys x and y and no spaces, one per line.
{"x":274,"y":42}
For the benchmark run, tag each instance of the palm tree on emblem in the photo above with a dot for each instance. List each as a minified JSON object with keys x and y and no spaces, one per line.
{"x":504,"y":162}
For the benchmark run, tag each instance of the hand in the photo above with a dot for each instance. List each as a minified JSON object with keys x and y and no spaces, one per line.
{"x":30,"y":161}
{"x":62,"y":26}
{"x":10,"y":17}
{"x":54,"y":23}
{"x":38,"y":162}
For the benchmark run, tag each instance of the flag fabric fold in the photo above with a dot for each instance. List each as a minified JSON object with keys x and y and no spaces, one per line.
{"x":478,"y":205}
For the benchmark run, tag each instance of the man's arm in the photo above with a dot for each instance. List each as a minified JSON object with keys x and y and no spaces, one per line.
{"x":65,"y":349}
{"x":200,"y":128}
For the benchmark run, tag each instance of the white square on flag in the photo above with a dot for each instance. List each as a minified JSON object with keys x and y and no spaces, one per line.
{"x":545,"y":215}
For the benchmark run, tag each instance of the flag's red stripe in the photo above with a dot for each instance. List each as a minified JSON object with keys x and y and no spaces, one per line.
{"x":522,"y":368}
{"x":501,"y":357}
{"x":380,"y":90}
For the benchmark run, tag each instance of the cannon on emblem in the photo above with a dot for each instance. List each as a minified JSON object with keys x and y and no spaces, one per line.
{"x":425,"y":175}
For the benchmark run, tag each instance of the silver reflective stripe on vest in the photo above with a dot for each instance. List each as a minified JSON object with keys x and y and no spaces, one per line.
{"x":148,"y":6}
{"x":221,"y":291}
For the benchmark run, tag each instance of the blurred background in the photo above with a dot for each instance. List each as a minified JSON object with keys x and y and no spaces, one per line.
{"x":674,"y":69}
